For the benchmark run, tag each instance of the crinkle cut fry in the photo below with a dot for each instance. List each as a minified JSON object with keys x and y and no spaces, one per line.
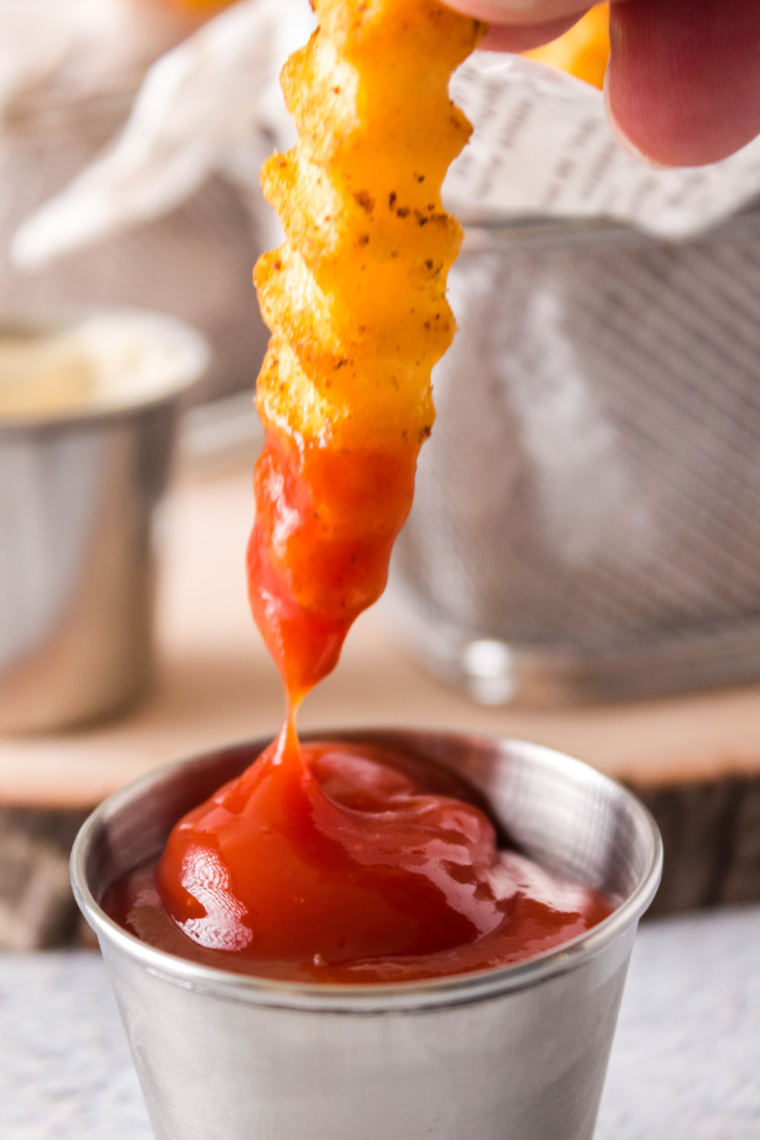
{"x":355,"y":300}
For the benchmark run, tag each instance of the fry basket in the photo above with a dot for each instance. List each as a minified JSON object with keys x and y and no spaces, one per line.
{"x":587,"y":522}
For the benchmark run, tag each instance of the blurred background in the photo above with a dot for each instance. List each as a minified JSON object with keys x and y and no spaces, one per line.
{"x":582,"y":564}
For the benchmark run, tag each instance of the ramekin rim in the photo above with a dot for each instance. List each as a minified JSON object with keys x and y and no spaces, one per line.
{"x":81,"y":417}
{"x":456,"y":989}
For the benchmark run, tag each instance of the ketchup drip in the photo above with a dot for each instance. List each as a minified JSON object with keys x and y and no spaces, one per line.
{"x":325,"y":526}
{"x":329,"y":862}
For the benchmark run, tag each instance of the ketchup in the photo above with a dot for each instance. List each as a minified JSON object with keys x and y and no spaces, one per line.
{"x":329,"y":862}
{"x":336,"y":863}
{"x":326,"y":521}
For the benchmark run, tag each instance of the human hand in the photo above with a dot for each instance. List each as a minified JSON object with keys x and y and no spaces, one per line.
{"x":683,"y":82}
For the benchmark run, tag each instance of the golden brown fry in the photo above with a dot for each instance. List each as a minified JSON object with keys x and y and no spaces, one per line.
{"x":356,"y":302}
{"x":356,"y":298}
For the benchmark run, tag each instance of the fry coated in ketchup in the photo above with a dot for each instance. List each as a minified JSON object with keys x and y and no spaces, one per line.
{"x":329,"y":862}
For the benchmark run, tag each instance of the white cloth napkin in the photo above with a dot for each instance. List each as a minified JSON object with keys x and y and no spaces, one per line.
{"x":53,"y":50}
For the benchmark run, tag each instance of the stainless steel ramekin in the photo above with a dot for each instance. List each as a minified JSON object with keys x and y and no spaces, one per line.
{"x":517,"y":1053}
{"x":78,"y":495}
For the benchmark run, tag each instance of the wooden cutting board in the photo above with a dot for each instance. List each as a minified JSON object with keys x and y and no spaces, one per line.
{"x":695,"y":760}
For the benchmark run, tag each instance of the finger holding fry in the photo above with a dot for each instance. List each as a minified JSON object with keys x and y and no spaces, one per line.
{"x":683,"y":85}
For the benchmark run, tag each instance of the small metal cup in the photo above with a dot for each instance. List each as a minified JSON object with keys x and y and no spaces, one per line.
{"x":78,"y":493}
{"x":517,"y":1053}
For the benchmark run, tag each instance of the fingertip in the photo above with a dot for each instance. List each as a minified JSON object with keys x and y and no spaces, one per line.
{"x":622,"y":139}
{"x":683,"y":85}
{"x":522,"y":11}
{"x":519,"y":25}
{"x":523,"y":37}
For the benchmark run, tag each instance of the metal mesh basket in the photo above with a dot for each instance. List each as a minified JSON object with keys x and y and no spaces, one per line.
{"x":587,"y":519}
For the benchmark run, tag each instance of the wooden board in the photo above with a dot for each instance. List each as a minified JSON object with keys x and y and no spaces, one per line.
{"x":695,"y":760}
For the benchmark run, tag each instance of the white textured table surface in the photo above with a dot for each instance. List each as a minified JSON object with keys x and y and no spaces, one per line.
{"x":685,"y":1066}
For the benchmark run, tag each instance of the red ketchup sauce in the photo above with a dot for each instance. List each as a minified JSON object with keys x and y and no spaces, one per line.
{"x":338,"y":863}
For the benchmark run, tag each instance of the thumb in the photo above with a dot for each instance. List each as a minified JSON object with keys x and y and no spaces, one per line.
{"x":683,"y":85}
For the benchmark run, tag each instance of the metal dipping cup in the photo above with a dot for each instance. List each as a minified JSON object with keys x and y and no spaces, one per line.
{"x":79,"y":491}
{"x":516,"y":1053}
